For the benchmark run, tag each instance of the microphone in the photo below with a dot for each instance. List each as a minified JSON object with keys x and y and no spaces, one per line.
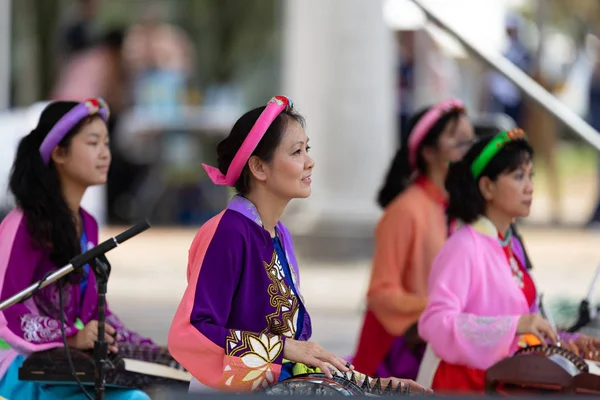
{"x":76,"y":262}
{"x":108,"y":245}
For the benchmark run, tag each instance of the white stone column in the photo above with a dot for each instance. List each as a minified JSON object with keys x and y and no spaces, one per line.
{"x":339,"y":60}
{"x":5,"y":52}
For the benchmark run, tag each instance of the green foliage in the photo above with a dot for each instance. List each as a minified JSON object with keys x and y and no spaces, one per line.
{"x":228,"y":34}
{"x":231,"y":35}
{"x":237,"y":41}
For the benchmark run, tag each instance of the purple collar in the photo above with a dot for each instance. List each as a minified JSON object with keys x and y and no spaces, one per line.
{"x":245,"y":207}
{"x":248,"y":209}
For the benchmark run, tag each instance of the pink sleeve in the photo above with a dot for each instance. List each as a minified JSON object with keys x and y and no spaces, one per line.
{"x":456,"y":336}
{"x":22,"y":325}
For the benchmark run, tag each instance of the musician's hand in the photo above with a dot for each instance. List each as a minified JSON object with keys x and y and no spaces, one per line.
{"x":313,"y":355}
{"x":537,"y":326}
{"x":586,"y":347}
{"x":84,"y":339}
{"x":414,"y":386}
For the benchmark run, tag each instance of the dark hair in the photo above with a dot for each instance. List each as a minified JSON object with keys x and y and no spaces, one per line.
{"x":114,"y":39}
{"x":400,"y":171}
{"x":466,"y":202}
{"x":228,"y":147}
{"x":37,"y":190}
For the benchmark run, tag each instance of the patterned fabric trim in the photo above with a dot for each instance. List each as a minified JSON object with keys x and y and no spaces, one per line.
{"x":251,"y":359}
{"x":284,"y":320}
{"x":40,"y":329}
{"x":484,"y":331}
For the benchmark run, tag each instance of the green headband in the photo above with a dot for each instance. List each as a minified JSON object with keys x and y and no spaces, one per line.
{"x":493,"y":147}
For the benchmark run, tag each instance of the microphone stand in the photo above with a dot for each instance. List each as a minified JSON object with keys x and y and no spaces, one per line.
{"x":586,"y":313}
{"x":101,"y":268}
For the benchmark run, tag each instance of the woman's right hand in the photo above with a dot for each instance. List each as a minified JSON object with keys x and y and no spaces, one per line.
{"x":313,"y":355}
{"x":85,"y":338}
{"x":536,"y":325}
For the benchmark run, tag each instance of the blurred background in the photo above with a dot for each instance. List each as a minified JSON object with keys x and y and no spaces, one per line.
{"x":178,"y":73}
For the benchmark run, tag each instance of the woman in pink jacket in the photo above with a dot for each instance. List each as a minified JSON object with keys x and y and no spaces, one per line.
{"x":482,"y":299}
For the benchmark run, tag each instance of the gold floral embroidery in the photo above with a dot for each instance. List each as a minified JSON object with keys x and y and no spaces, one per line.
{"x":284,"y":320}
{"x":251,"y":361}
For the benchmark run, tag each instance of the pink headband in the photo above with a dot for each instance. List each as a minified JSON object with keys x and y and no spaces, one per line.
{"x":274,"y":107}
{"x":68,"y":121}
{"x":426,"y":122}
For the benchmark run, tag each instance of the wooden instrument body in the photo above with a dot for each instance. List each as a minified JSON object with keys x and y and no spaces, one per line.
{"x":51,"y":366}
{"x":543,"y":370}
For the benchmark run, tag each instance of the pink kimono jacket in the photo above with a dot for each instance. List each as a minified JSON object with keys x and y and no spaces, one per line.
{"x":474,"y":303}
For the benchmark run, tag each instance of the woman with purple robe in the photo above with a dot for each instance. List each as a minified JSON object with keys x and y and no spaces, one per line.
{"x":66,"y":153}
{"x":242,"y":324}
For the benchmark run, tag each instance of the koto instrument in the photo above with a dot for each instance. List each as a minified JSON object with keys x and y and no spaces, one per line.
{"x":139,"y":367}
{"x":539,"y":369}
{"x":342,"y":384}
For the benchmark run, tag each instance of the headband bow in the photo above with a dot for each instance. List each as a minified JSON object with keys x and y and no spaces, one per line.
{"x":274,"y":107}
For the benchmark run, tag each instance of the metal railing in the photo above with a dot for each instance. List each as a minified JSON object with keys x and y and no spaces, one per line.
{"x":525,"y":83}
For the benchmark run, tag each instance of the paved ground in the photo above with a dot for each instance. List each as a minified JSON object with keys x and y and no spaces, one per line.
{"x":149,"y":278}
